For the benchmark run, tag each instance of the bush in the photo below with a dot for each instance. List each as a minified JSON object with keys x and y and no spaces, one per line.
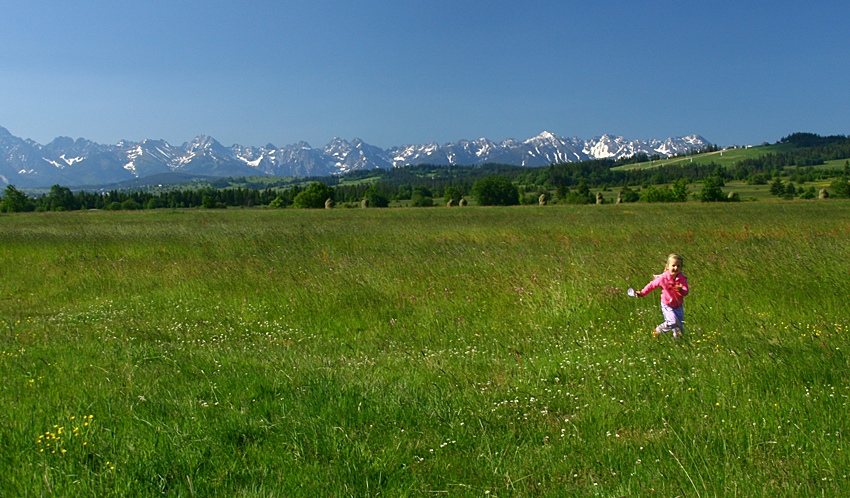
{"x":278,"y":202}
{"x":657,"y":194}
{"x":629,"y":195}
{"x":14,"y":200}
{"x":581,"y":195}
{"x":453,"y":193}
{"x":808,"y":193}
{"x":711,"y":190}
{"x":495,"y":191}
{"x":155,"y":203}
{"x":314,"y":196}
{"x":840,"y":187}
{"x":578,"y":198}
{"x":419,"y":200}
{"x":757,"y":179}
{"x":130,"y":205}
{"x":376,"y":199}
{"x":777,"y":187}
{"x":680,"y":190}
{"x":530,"y":198}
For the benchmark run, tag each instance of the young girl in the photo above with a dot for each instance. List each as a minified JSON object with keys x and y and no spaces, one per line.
{"x":674,"y":288}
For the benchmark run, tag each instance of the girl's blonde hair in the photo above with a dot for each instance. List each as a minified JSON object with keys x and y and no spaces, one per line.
{"x":673,"y":255}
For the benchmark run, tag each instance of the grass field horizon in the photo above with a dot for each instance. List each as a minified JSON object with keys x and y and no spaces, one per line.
{"x":407,"y":352}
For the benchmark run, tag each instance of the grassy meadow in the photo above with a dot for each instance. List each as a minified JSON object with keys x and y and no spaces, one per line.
{"x":417,"y":352}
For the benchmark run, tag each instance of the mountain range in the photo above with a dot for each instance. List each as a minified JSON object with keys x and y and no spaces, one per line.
{"x":77,"y":163}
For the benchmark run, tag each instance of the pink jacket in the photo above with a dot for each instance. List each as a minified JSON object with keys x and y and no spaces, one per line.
{"x":670,"y":295}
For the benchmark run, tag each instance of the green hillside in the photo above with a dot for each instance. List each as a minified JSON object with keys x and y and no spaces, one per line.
{"x":725,"y":157}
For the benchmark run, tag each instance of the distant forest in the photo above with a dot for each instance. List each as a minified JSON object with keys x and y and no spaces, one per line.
{"x":434,"y":181}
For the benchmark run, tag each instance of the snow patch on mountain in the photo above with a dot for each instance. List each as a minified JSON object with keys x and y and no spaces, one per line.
{"x":54,"y":163}
{"x":254,"y":163}
{"x":70,"y":161}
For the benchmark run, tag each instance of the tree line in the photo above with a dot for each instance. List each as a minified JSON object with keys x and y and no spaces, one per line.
{"x":63,"y":199}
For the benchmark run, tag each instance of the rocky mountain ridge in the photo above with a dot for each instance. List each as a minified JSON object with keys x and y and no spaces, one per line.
{"x":68,"y":162}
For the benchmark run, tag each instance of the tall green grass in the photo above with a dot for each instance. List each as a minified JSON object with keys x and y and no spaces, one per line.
{"x":467,"y":351}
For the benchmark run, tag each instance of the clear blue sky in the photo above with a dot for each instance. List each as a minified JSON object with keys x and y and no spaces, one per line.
{"x":394,"y":73}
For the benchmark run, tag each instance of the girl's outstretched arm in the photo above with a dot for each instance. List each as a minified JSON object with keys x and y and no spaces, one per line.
{"x":651,"y":286}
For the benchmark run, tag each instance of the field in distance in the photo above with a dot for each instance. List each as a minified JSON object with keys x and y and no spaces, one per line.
{"x":727,"y":157}
{"x":468,"y":352}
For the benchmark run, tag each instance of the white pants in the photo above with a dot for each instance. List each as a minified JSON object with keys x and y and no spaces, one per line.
{"x":674,"y":318}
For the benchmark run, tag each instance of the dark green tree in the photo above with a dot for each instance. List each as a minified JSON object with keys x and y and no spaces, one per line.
{"x":313,"y":196}
{"x":495,"y":191}
{"x":711,"y":190}
{"x":14,"y":201}
{"x":777,"y":187}
{"x":61,"y":199}
{"x":452,"y":193}
{"x":840,"y":187}
{"x":561,"y":191}
{"x":680,"y":190}
{"x":130,"y":205}
{"x":155,"y":203}
{"x":790,"y":189}
{"x":629,"y":195}
{"x":808,"y":193}
{"x":418,"y":199}
{"x":657,"y":194}
{"x":423,"y":191}
{"x":376,"y":198}
{"x":582,"y":188}
{"x":404,"y":192}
